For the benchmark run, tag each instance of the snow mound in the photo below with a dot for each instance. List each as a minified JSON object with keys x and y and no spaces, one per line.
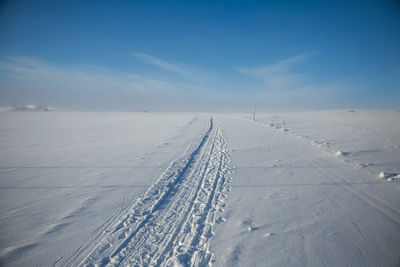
{"x":51,"y":109}
{"x":268,"y":234}
{"x":389,"y":176}
{"x":341,"y":153}
{"x":6,"y":109}
{"x":30,"y":107}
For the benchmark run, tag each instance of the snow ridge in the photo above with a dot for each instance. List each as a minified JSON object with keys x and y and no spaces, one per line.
{"x":172,"y":223}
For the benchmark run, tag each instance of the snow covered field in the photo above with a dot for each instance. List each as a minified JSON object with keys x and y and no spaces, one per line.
{"x":291,"y":189}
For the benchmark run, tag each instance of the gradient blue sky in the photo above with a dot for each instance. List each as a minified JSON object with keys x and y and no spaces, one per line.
{"x":200,"y":55}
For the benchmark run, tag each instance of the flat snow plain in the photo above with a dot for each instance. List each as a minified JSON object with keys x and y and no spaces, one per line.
{"x":292,"y":189}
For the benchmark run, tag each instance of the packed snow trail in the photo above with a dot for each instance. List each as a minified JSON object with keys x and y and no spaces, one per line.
{"x":173,"y":221}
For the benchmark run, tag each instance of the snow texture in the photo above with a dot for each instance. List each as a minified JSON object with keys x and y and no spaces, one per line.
{"x":147,"y":189}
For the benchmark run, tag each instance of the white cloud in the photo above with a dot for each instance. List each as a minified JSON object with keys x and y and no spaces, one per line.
{"x":35,"y":73}
{"x":281,"y":86}
{"x":34,"y":80}
{"x":279,"y":75}
{"x":189,"y":73}
{"x":160,"y":63}
{"x":27,"y":80}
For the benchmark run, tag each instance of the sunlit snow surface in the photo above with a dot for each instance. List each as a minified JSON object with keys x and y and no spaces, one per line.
{"x":291,"y":189}
{"x":63,"y":175}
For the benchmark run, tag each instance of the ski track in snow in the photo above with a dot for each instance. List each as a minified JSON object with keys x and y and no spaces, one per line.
{"x":279,"y":123}
{"x":389,"y":212}
{"x":173,"y":221}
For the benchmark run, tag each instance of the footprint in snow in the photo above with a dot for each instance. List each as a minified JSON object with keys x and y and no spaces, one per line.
{"x":363,"y":165}
{"x":249,"y":225}
{"x":251,"y":228}
{"x":220,"y":220}
{"x":341,"y":153}
{"x":389,"y":176}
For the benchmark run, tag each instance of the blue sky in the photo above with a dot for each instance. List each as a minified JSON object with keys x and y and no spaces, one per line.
{"x":200,"y":55}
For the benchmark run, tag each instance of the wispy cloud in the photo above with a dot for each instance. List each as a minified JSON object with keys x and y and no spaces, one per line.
{"x":87,"y":82}
{"x":160,"y":63}
{"x":190,"y":74}
{"x":28,"y":80}
{"x":279,"y":75}
{"x":33,"y":72}
{"x":282,"y":85}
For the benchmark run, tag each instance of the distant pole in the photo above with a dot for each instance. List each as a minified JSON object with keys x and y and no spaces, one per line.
{"x":254,"y":113}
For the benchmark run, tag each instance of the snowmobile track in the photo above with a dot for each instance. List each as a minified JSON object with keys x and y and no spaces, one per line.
{"x":173,"y":221}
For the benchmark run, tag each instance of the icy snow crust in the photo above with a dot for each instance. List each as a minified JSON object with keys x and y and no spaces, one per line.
{"x":292,"y":189}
